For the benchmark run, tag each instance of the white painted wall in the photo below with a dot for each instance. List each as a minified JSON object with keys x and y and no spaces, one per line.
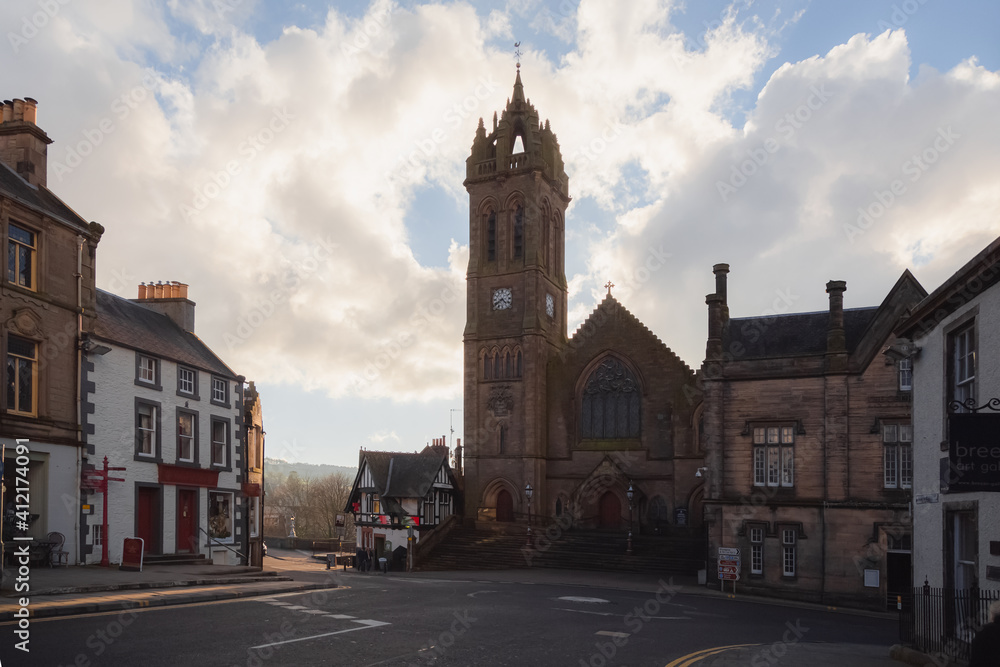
{"x":114,"y":424}
{"x":929,"y":419}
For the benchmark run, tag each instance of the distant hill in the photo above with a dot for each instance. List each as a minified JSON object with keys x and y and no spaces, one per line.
{"x":306,"y":470}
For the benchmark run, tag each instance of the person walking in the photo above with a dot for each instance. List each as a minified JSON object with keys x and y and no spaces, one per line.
{"x":986,"y":643}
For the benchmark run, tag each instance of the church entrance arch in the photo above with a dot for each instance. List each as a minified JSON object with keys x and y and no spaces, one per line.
{"x":505,"y":506}
{"x":609,"y":512}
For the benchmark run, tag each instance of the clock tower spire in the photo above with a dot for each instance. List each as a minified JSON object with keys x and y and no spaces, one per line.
{"x":516,"y":293}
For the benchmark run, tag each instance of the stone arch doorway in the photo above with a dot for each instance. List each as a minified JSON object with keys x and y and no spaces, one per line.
{"x":609,"y":512}
{"x":505,"y":506}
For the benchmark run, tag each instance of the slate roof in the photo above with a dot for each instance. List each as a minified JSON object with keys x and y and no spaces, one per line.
{"x":404,"y":475}
{"x":132,"y":325}
{"x":39,"y":198}
{"x":794,"y":334}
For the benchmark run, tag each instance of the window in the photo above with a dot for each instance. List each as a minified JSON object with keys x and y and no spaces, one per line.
{"x":502,"y":439}
{"x":147,"y":369}
{"x":220,"y":391}
{"x":98,"y":533}
{"x":22,"y":375}
{"x":611,"y":402}
{"x":187,"y":380}
{"x":147,"y":430}
{"x":905,"y":368}
{"x":186,"y":436}
{"x":774,"y":456}
{"x":963,"y":362}
{"x":518,"y":232}
{"x":756,"y":550}
{"x":254,"y":447}
{"x":220,"y":516}
{"x":220,"y":442}
{"x":788,"y":540}
{"x":21,"y":249}
{"x":491,"y":237}
{"x":897,"y":440}
{"x":254,"y":511}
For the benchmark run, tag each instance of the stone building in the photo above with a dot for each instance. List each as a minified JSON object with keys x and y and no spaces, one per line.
{"x":580,"y":419}
{"x":253,"y":485}
{"x":807,"y":437}
{"x":47,"y":298}
{"x":160,"y":404}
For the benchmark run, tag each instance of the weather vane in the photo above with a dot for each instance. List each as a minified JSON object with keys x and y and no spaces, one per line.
{"x":609,"y":286}
{"x":517,"y":53}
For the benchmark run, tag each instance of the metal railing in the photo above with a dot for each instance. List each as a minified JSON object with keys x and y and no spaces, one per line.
{"x":246,"y":559}
{"x":941,"y":621}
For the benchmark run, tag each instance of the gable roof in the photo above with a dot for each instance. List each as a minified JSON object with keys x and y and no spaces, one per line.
{"x":39,"y":198}
{"x":794,"y":334}
{"x":401,"y":474}
{"x":132,"y":325}
{"x":606,"y":311}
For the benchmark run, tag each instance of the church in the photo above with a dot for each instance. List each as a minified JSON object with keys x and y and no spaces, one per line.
{"x":791,"y":445}
{"x":579,"y":419}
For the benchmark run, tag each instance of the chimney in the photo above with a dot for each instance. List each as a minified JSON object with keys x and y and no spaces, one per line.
{"x":458,"y":457}
{"x":23,"y":145}
{"x":713,"y":351}
{"x":836,"y":339}
{"x":169,"y":299}
{"x":720,"y":271}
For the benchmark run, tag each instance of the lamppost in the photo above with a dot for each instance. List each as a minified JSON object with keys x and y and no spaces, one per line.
{"x":527,"y":494}
{"x":630,"y":494}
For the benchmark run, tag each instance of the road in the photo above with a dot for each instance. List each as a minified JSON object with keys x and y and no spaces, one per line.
{"x":393,"y":620}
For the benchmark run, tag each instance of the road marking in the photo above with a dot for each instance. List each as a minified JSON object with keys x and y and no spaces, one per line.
{"x":370,"y":623}
{"x":340,"y":617}
{"x":313,"y":611}
{"x":698,"y":656}
{"x":608,"y":633}
{"x":325,"y":634}
{"x":582,"y":611}
{"x":571,"y":598}
{"x":472,"y":595}
{"x":296,"y":607}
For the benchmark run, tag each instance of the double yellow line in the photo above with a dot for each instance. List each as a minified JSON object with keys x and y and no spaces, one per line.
{"x":698,"y":656}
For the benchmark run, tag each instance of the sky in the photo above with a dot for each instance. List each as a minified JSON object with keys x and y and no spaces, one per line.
{"x":300,"y":166}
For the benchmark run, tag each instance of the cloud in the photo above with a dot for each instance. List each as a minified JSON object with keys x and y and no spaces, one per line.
{"x":276,"y":177}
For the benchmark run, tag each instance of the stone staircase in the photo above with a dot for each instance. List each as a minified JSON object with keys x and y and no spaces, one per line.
{"x":174,"y":559}
{"x":505,"y":547}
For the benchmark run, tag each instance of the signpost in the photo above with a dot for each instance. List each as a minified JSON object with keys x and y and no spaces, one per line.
{"x":96,"y":479}
{"x":729,"y":565}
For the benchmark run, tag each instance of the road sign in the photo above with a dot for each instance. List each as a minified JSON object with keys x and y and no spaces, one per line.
{"x":729,"y":577}
{"x":729,"y":569}
{"x":728,"y":551}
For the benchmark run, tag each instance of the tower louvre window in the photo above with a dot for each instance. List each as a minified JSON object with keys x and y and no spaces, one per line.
{"x":491,"y":237}
{"x":518,"y":232}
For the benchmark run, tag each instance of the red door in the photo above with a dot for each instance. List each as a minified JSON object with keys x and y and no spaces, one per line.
{"x":609,"y":512}
{"x":187,"y":521}
{"x":148,"y":519}
{"x":505,"y":506}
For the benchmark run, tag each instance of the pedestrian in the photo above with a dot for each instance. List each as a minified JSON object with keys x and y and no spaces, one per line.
{"x":986,"y":643}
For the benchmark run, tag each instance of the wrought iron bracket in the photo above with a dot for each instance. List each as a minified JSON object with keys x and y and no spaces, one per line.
{"x":969,"y":405}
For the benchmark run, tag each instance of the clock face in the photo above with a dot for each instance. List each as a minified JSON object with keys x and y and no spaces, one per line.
{"x":550,"y":305}
{"x":501,"y":298}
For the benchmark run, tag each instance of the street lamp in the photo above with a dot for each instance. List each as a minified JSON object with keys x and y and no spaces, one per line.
{"x":630,"y":494}
{"x":527,"y":494}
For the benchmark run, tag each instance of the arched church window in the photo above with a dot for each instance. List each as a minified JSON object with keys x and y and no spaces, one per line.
{"x":517,"y":362}
{"x":518,"y":232}
{"x":518,"y":145}
{"x":496,"y":364}
{"x":487,"y":366}
{"x":491,"y":237}
{"x":508,"y":369}
{"x":502,"y":439}
{"x":610,"y":406}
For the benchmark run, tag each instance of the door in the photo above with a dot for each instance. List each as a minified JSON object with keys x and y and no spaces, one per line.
{"x":505,"y":506}
{"x":147,"y":519}
{"x":187,"y":521}
{"x":609,"y":512}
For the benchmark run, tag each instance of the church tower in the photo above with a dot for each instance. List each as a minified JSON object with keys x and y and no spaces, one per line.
{"x":516,"y":305}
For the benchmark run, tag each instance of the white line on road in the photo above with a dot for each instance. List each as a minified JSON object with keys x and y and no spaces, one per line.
{"x":608,"y":633}
{"x":370,"y":623}
{"x":340,"y":617}
{"x":325,"y":634}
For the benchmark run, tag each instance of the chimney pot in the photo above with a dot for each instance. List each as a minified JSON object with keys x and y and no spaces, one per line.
{"x":142,"y":290}
{"x":18,"y":109}
{"x":8,"y":111}
{"x":30,"y":110}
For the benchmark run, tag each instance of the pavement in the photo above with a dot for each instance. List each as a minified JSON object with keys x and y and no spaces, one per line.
{"x":89,"y":589}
